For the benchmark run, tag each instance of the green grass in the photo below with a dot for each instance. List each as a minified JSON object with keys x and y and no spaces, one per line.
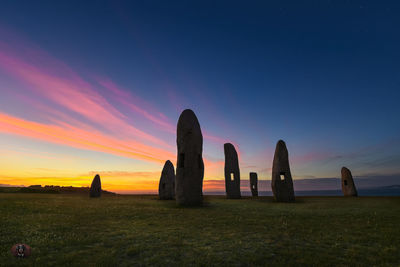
{"x":141,"y":230}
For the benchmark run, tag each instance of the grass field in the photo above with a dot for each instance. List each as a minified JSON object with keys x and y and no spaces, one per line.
{"x":141,"y":230}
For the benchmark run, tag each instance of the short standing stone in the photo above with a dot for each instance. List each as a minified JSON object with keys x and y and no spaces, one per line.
{"x":190,"y":166}
{"x":282,"y":183}
{"x":254,"y":184}
{"x":348,"y":186}
{"x":166,"y":188}
{"x":232,"y":172}
{"x":95,"y":188}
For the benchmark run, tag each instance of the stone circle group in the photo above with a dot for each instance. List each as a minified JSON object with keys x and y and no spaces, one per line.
{"x":186,"y":187}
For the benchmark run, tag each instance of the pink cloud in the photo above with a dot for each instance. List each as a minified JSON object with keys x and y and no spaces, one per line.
{"x":68,"y":110}
{"x":129,"y":101}
{"x":73,"y":94}
{"x":311,"y":157}
{"x":70,"y":135}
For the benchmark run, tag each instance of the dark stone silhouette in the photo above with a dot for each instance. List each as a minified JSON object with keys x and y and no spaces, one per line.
{"x":254,"y":184}
{"x":95,"y":188}
{"x":190,"y":166}
{"x":232,"y":172}
{"x":166,"y":188}
{"x":282,"y":183}
{"x":348,"y":186}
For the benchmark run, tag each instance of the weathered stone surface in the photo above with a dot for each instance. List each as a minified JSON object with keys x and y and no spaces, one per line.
{"x":95,"y":188}
{"x":254,"y":184}
{"x":348,"y":186}
{"x":282,"y":183}
{"x":190,"y":166}
{"x":232,"y":172}
{"x":166,"y":188}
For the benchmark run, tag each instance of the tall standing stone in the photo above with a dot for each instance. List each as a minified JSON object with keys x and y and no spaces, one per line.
{"x":254,"y":184}
{"x":348,"y":186}
{"x":190,"y":166}
{"x":282,"y":183}
{"x":232,"y":172}
{"x":95,"y":188}
{"x":166,"y":188}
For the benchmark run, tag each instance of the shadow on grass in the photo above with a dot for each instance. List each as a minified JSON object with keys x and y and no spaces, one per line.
{"x":272,"y":200}
{"x":171,"y":203}
{"x":205,"y":204}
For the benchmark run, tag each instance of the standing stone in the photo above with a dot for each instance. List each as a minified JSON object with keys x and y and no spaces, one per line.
{"x":254,"y":184}
{"x":190,"y":169}
{"x":232,"y":172}
{"x":282,"y":183}
{"x":348,"y":186}
{"x":166,"y":188}
{"x":95,"y":188}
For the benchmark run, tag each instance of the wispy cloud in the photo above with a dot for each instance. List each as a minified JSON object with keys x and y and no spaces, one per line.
{"x":131,"y":102}
{"x":73,"y":94}
{"x":70,"y":135}
{"x":94,"y":114}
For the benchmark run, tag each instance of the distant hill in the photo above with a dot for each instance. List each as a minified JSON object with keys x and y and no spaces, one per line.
{"x":50,"y":189}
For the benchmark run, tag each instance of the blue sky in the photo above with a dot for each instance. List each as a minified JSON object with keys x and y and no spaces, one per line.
{"x":322,"y":75}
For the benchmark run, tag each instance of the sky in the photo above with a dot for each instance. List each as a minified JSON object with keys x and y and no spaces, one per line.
{"x":92,"y":87}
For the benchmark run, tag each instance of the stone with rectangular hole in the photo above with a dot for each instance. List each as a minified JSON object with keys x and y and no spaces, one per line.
{"x":281,"y":182}
{"x":232,"y":172}
{"x":254,"y":184}
{"x":190,"y":165}
{"x":348,"y":186}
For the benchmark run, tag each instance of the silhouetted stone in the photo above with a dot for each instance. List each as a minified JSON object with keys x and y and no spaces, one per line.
{"x":348,"y":186}
{"x":254,"y":184}
{"x":166,"y":188}
{"x":282,"y":183}
{"x":232,"y":172}
{"x":190,"y":169}
{"x":95,"y":188}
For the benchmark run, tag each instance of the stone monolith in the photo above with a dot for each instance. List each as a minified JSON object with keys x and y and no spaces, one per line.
{"x":190,"y":166}
{"x":254,"y":184}
{"x":348,"y":186}
{"x":166,"y":188}
{"x":95,"y":188}
{"x":282,"y":183}
{"x":232,"y":172}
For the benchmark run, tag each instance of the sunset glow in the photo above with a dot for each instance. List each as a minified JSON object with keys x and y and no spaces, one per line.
{"x":76,"y":103}
{"x":69,"y":111}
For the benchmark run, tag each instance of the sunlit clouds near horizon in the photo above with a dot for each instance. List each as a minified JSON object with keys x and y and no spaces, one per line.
{"x":51,"y":103}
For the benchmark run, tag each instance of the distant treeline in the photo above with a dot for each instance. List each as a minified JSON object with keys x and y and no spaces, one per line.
{"x":50,"y":189}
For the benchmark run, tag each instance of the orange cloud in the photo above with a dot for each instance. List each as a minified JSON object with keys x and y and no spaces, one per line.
{"x":75,"y":137}
{"x":73,"y":94}
{"x":70,"y":111}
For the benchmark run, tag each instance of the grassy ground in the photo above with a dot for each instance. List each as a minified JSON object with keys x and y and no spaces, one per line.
{"x":141,"y":230}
